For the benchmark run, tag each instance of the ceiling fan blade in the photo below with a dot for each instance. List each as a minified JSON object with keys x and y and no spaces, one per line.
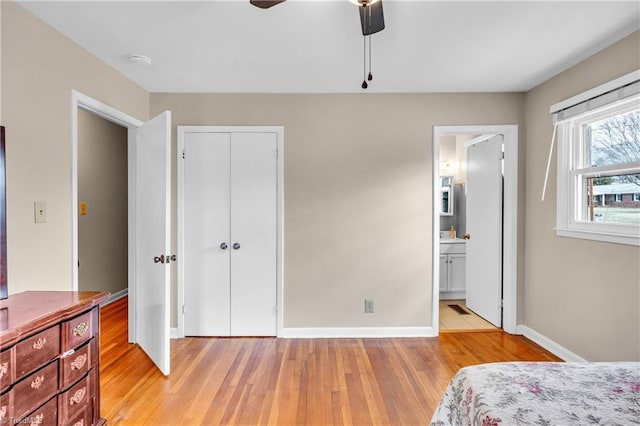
{"x":265,"y":4}
{"x":371,"y":18}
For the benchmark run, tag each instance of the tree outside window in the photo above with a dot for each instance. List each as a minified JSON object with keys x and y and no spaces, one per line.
{"x":609,"y":142}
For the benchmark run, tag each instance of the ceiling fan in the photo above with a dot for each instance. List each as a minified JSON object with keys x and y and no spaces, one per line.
{"x":371,"y":15}
{"x":371,"y":21}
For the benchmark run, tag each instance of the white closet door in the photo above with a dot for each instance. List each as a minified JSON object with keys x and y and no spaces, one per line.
{"x":206,"y":239}
{"x":253,"y":234}
{"x":484,"y":224}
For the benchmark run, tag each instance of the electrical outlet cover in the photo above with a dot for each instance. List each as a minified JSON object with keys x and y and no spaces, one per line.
{"x":40,"y":211}
{"x":368,"y":306}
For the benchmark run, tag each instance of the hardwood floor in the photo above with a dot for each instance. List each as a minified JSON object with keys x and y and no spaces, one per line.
{"x":269,"y":381}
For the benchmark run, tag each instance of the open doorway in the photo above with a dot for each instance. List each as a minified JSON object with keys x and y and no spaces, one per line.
{"x":451,"y":145}
{"x":149,"y":230}
{"x":459,"y":254}
{"x":82,"y":105}
{"x":103,"y":206}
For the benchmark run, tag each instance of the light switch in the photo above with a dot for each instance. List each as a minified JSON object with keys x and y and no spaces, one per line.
{"x":83,"y":208}
{"x":40,"y":210}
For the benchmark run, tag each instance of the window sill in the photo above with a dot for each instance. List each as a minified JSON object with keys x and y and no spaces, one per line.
{"x":632,"y":240}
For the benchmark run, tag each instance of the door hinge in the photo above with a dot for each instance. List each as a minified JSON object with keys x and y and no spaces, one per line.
{"x":184,"y":309}
{"x":501,"y":303}
{"x":277,"y":154}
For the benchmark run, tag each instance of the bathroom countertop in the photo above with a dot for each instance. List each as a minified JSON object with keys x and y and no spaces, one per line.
{"x":450,"y":241}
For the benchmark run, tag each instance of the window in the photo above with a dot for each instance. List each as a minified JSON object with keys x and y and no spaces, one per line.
{"x":636,"y":196}
{"x":599,"y":162}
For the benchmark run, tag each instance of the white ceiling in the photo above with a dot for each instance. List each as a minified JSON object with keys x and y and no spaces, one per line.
{"x":316,"y":46}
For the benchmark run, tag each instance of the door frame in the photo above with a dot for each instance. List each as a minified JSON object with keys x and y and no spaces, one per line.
{"x":279,"y":131}
{"x":510,"y":218}
{"x":87,"y":103}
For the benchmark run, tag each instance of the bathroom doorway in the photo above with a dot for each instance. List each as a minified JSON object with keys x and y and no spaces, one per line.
{"x":457,"y":276}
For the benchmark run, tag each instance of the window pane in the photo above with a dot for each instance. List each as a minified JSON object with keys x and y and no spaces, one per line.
{"x":614,"y":140}
{"x":611,"y":199}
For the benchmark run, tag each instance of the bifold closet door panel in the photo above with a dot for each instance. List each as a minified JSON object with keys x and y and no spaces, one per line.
{"x":206,"y":241}
{"x":253,"y":234}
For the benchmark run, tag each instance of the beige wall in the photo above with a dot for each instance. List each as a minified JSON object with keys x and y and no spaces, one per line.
{"x":102,"y":185}
{"x":357,"y":193}
{"x":582,"y":294}
{"x":452,"y":150}
{"x":40,"y":68}
{"x":461,"y":155}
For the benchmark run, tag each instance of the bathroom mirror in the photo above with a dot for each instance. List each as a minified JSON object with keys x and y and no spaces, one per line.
{"x":446,"y":195}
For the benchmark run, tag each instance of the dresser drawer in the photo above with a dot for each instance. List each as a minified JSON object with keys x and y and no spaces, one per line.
{"x":47,"y":415}
{"x":82,"y":418}
{"x":71,"y":402}
{"x":76,"y":365}
{"x":7,"y":368}
{"x":37,"y":350}
{"x":76,"y":331}
{"x":6,"y":408}
{"x":35,"y":389}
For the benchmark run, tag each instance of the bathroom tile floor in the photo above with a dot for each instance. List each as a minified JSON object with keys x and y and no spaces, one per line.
{"x":451,"y":320}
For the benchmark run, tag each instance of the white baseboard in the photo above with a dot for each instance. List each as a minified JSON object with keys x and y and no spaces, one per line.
{"x":173,"y":332}
{"x":548,"y":344}
{"x":354,"y":332}
{"x":116,"y":296}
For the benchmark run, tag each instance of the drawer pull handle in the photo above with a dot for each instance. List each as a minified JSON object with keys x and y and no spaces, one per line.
{"x":39,"y":344}
{"x":80,"y":329}
{"x":77,"y":397}
{"x":79,"y":423}
{"x":4,"y":367}
{"x":79,"y":362}
{"x":68,"y":353}
{"x":37,"y":382}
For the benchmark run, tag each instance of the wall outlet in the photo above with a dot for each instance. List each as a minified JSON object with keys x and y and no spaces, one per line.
{"x":368,"y":306}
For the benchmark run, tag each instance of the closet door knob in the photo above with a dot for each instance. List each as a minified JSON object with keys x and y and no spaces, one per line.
{"x":223,"y":246}
{"x":236,"y":246}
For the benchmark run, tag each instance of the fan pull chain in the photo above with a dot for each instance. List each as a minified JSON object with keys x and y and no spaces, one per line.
{"x":364,"y":63}
{"x":370,"y":76}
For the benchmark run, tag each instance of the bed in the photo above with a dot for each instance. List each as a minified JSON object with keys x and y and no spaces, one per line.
{"x":542,"y":393}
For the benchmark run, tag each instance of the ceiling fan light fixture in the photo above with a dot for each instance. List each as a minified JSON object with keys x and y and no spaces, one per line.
{"x":364,"y":3}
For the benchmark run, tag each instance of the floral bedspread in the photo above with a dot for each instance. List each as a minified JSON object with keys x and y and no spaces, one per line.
{"x":542,"y":393}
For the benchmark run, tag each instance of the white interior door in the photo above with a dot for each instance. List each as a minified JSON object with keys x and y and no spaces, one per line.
{"x":153,"y":197}
{"x":253,"y":234}
{"x":484,"y":224}
{"x":206,"y":234}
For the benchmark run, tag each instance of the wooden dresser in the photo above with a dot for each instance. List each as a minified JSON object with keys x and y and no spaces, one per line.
{"x":50,"y":359}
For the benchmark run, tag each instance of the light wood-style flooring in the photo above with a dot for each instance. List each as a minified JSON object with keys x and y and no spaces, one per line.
{"x":451,"y":320}
{"x":269,"y":381}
